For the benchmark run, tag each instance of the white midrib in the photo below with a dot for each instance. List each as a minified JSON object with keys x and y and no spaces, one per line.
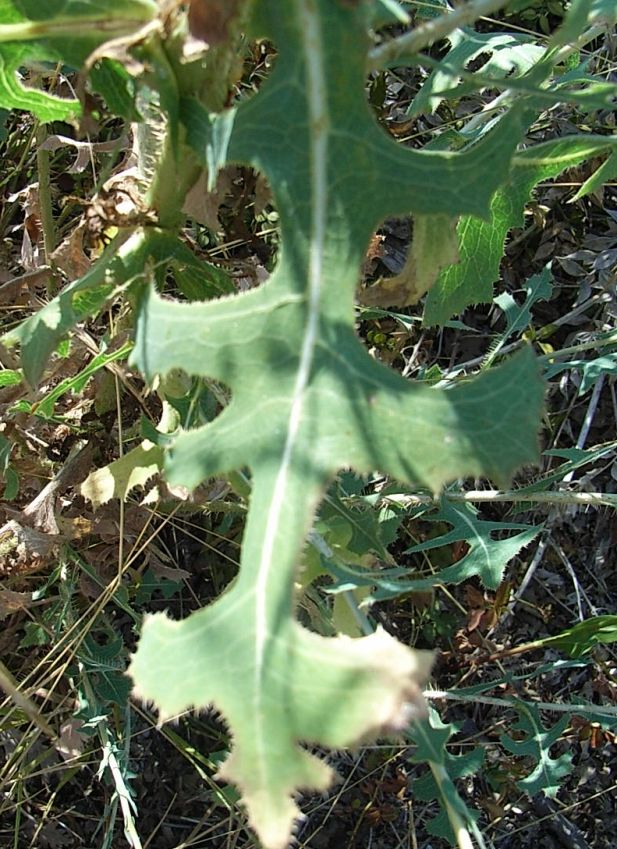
{"x":319,"y":127}
{"x":478,"y":538}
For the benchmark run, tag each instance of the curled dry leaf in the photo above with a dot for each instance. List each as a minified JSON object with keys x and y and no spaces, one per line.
{"x":24,"y":550}
{"x":203,"y":205}
{"x":70,"y":256}
{"x":17,"y":291}
{"x":434,"y":247}
{"x":85,"y":150}
{"x":70,"y":743}
{"x":32,"y":233}
{"x":41,"y":512}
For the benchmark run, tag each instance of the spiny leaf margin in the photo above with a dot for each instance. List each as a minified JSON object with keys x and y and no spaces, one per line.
{"x":307,"y":400}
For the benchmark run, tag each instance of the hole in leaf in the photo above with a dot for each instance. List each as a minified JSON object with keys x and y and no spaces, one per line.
{"x":235,"y":231}
{"x":389,"y":95}
{"x":386,"y":329}
{"x":259,"y":60}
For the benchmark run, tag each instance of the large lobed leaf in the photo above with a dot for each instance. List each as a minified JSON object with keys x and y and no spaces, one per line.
{"x":308,"y":400}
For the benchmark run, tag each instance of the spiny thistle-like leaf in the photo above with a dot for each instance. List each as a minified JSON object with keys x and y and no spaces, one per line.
{"x":518,"y":316}
{"x":431,"y":737}
{"x":536,"y":743}
{"x":481,"y":242}
{"x":117,"y":479}
{"x":487,"y":557}
{"x":308,"y":400}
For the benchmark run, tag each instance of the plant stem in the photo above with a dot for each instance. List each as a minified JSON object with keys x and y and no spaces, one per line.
{"x":122,"y":792}
{"x":499,"y":655}
{"x":11,"y":688}
{"x":44,"y":174}
{"x":588,"y":499}
{"x":556,"y":707}
{"x":583,"y":346}
{"x":432,"y":31}
{"x":67,"y":27}
{"x":440,"y":776}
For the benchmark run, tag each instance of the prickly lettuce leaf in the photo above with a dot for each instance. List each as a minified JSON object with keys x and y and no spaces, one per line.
{"x":518,"y":316}
{"x":504,"y":54}
{"x":481,"y":242}
{"x":32,"y":31}
{"x":308,"y":400}
{"x":534,"y":742}
{"x":487,"y":556}
{"x":117,"y":479}
{"x":431,"y":737}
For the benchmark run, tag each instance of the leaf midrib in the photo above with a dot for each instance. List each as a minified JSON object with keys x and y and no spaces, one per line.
{"x":316,"y":92}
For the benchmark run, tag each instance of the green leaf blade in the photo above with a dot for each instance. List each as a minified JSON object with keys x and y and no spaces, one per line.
{"x":307,"y":400}
{"x":536,"y":743}
{"x":481,"y":243}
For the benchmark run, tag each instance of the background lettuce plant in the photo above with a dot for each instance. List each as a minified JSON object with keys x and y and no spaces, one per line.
{"x":306,"y":398}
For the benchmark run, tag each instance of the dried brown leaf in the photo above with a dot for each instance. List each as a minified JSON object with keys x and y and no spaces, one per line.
{"x":11,"y":602}
{"x":434,"y":247}
{"x":12,"y":290}
{"x":24,"y":550}
{"x":85,"y":150}
{"x":210,"y":20}
{"x":203,"y":205}
{"x":70,"y":256}
{"x":31,"y":245}
{"x":41,"y":511}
